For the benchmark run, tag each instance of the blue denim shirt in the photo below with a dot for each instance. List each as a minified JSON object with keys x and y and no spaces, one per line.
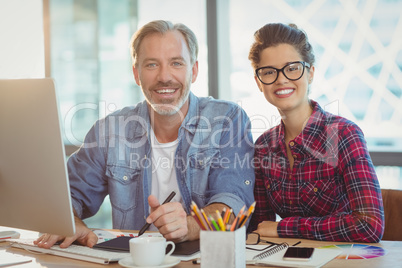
{"x":213,"y":161}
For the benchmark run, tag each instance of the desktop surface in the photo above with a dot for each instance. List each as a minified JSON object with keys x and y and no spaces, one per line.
{"x":393,"y":258}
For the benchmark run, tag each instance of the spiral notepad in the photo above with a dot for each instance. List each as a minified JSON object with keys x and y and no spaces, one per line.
{"x":273,"y":256}
{"x":271,"y":251}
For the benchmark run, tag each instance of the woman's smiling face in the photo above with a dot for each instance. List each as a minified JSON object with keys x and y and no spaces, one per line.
{"x":285,"y":94}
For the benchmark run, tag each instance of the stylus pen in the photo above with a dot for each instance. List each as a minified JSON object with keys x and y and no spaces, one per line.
{"x":146,"y":226}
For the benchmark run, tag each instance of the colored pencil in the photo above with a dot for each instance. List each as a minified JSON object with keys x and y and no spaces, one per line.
{"x":197,"y":220}
{"x":252,"y":207}
{"x":227,"y":215}
{"x":244,"y":220}
{"x":206,"y":219}
{"x":214,"y":223}
{"x":232,"y":228}
{"x":198,"y":214}
{"x":223,"y":212}
{"x":220,"y":221}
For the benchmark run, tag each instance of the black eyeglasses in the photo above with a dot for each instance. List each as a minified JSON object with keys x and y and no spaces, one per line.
{"x":292,"y":71}
{"x":254,"y":239}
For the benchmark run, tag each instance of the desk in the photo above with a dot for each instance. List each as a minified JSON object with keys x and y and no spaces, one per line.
{"x":392,"y":259}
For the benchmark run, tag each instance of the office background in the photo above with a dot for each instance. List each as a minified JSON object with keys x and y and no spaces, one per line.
{"x":84,"y":46}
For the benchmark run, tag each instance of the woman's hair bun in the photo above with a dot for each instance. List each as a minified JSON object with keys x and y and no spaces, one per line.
{"x":293,"y":25}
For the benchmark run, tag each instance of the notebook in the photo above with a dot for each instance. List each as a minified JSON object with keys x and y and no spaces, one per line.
{"x":185,"y":250}
{"x":273,"y":256}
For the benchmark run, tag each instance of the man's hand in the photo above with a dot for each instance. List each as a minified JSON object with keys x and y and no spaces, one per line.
{"x":173,"y":222}
{"x":83,"y":235}
{"x":170,"y":219}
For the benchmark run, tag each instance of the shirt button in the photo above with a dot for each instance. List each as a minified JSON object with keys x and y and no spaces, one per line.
{"x":291,"y":143}
{"x":247,"y":182}
{"x":268,"y":186}
{"x":125,"y":178}
{"x":290,"y":202}
{"x":315,"y":190}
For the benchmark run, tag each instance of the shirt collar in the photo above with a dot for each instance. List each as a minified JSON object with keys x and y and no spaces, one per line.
{"x":190,"y":122}
{"x":311,"y":139}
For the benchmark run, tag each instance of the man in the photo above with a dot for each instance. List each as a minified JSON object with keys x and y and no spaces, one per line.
{"x":200,"y":148}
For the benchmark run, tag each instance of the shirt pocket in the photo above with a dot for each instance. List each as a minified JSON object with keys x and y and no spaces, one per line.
{"x":200,"y":164}
{"x":318,"y":198}
{"x":274,"y":194}
{"x":203,"y":159}
{"x":124,"y":186}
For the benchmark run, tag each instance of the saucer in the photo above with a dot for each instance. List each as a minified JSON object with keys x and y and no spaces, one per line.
{"x":168,"y":262}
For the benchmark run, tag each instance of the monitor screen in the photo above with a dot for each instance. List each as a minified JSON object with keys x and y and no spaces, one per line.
{"x":34,"y":188}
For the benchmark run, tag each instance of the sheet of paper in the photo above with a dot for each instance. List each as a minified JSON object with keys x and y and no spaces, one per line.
{"x":7,"y":258}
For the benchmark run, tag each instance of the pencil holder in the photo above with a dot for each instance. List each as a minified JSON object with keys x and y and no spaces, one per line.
{"x":223,"y":249}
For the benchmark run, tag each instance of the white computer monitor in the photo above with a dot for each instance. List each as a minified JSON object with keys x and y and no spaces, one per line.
{"x":34,"y":188}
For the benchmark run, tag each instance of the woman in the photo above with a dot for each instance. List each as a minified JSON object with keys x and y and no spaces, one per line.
{"x":313,"y":169}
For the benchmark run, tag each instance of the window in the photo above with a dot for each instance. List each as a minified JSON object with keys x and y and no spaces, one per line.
{"x":358,"y":48}
{"x":90,"y":61}
{"x":21,"y":47}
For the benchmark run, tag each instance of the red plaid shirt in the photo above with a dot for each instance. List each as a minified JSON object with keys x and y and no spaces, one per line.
{"x":332,"y":192}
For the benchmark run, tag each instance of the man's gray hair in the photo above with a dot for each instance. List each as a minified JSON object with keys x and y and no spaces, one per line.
{"x":162,"y":27}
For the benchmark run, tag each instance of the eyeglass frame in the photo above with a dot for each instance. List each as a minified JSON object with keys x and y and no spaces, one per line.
{"x":258,"y":241}
{"x":264,"y":241}
{"x":305,"y":65}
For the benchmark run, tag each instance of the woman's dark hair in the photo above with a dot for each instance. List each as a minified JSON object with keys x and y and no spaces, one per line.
{"x":274,"y":34}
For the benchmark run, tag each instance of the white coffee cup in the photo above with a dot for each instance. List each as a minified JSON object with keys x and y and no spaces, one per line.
{"x":149,"y":251}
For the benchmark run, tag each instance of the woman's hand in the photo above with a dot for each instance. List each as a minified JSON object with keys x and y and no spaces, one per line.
{"x":267,"y":228}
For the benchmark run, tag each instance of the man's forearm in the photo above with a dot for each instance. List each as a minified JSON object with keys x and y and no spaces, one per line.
{"x":192,"y":225}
